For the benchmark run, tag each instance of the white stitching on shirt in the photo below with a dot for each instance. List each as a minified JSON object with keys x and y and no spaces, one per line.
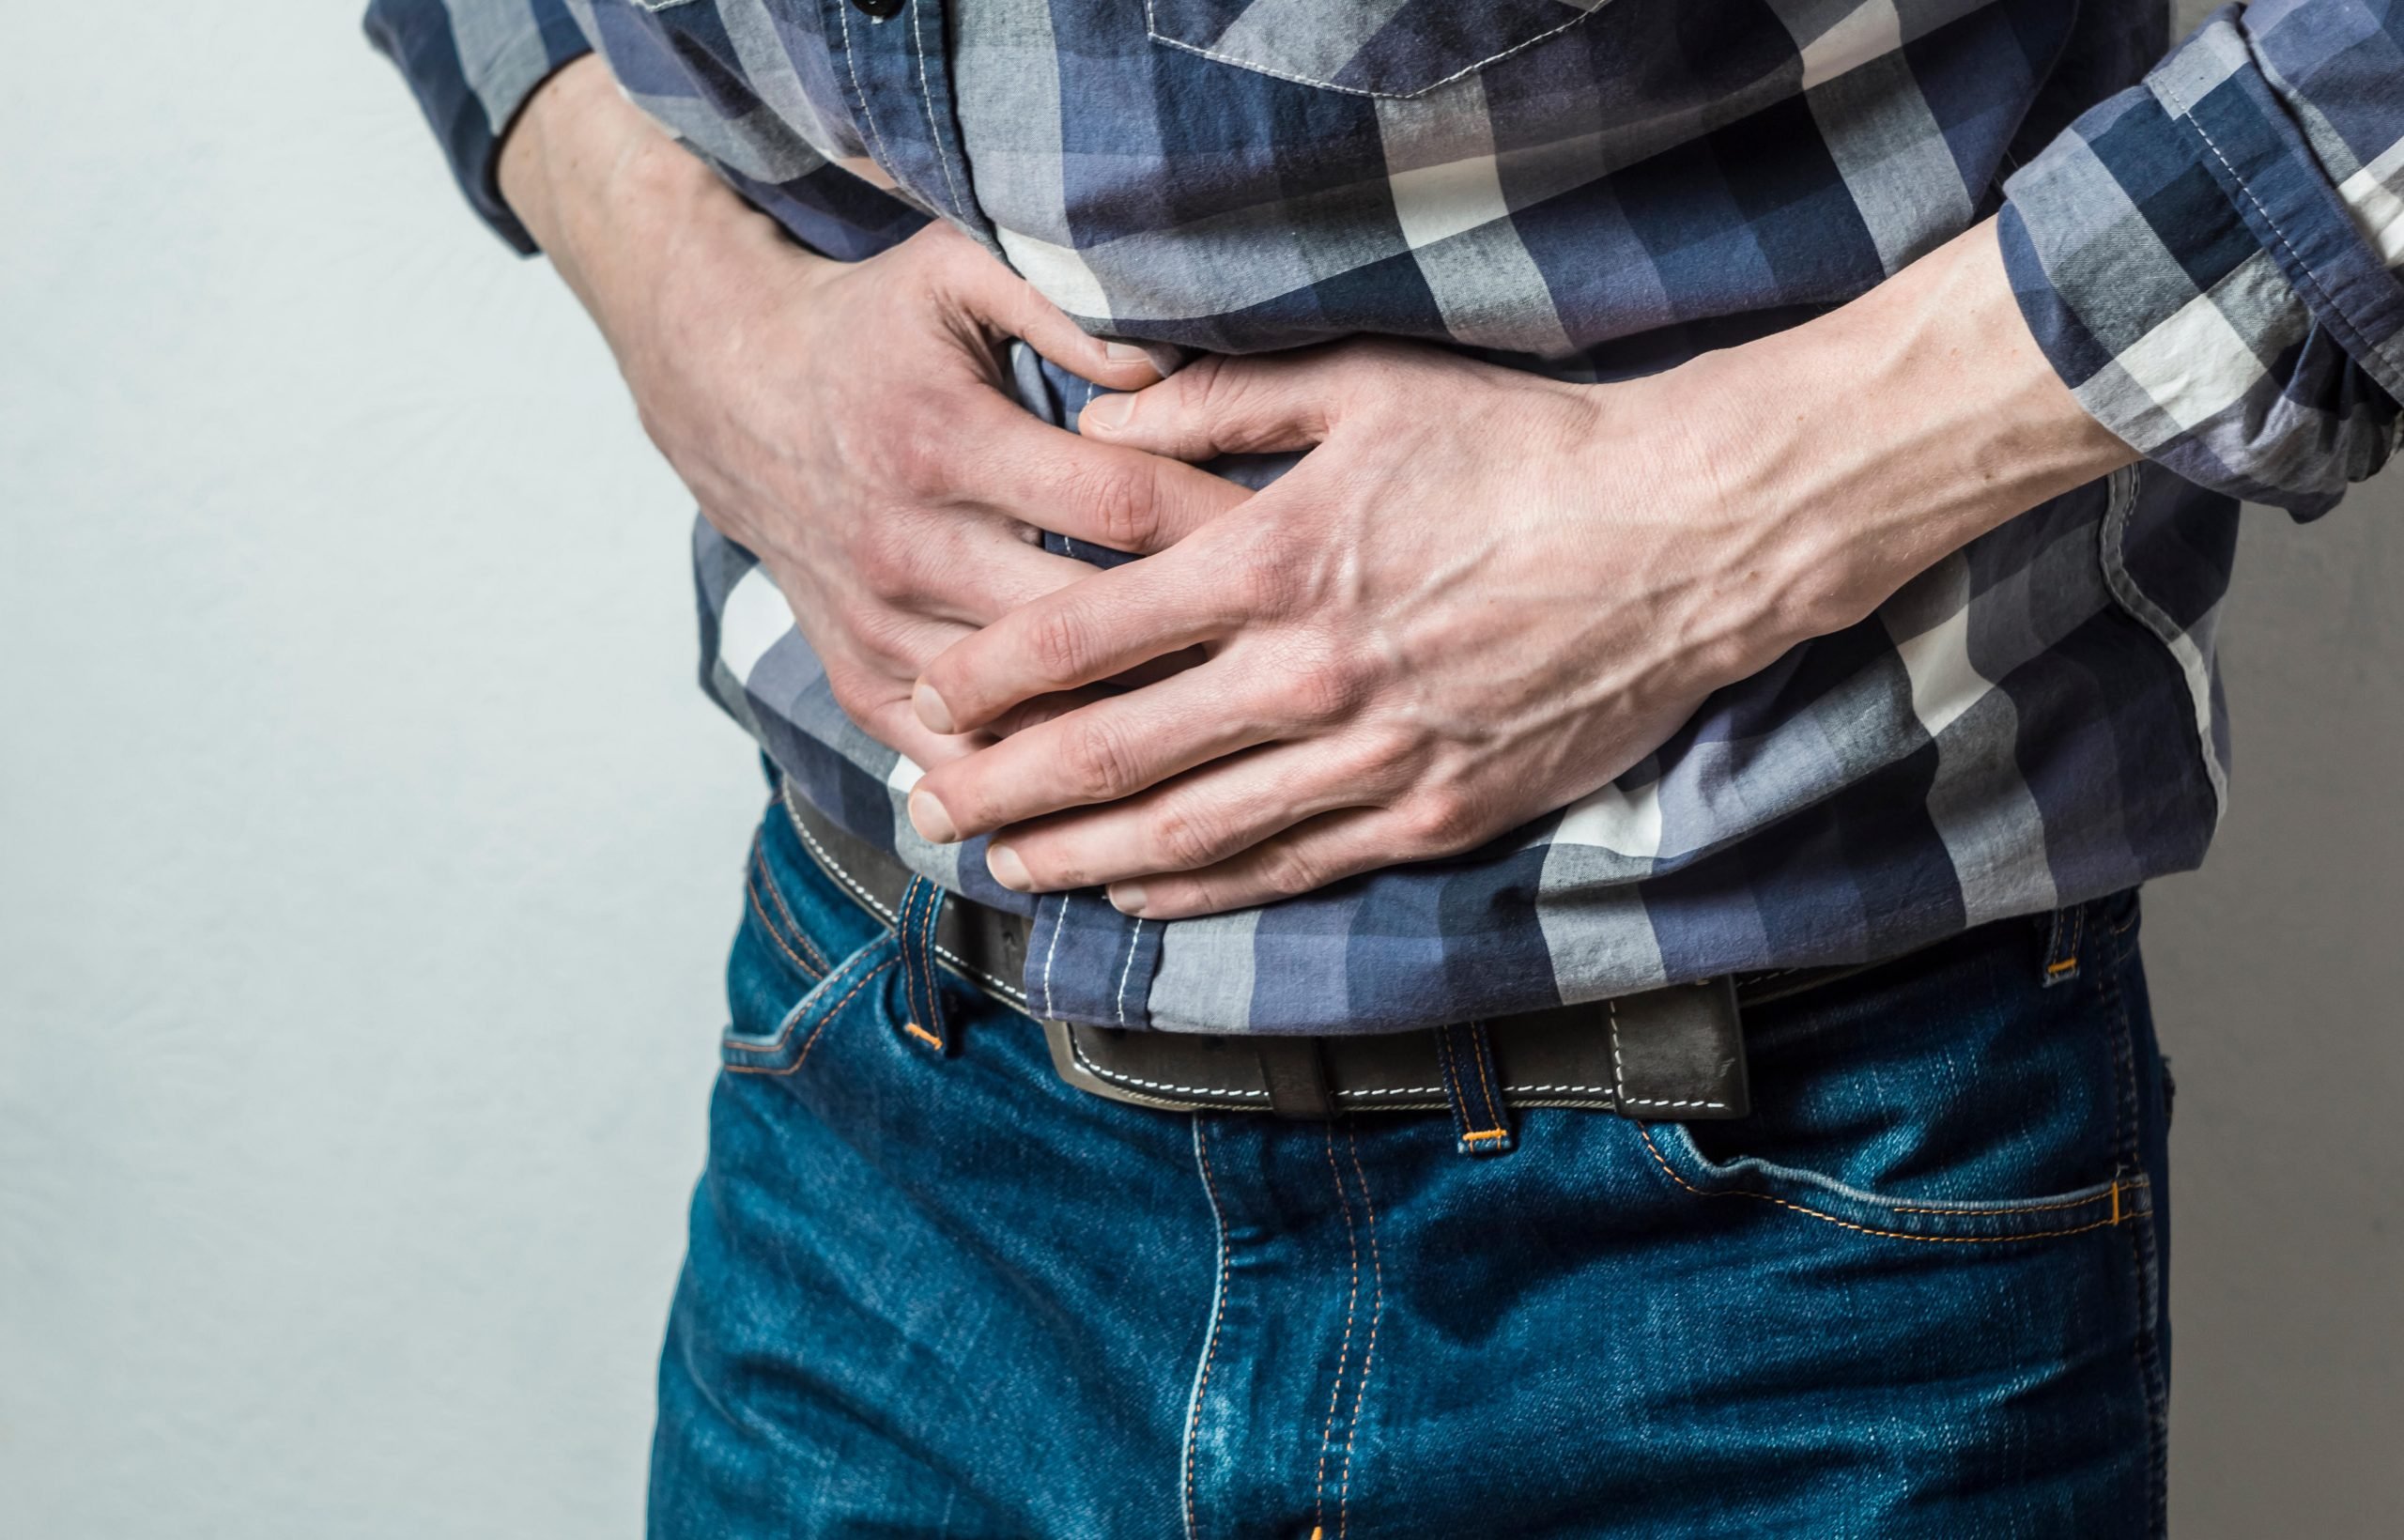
{"x":850,"y":62}
{"x":926,"y":95}
{"x":2303,"y":267}
{"x":1133,"y":937}
{"x":1152,"y":30}
{"x":1059,"y":923}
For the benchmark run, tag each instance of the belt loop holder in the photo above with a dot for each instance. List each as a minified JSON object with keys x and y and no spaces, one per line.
{"x":2069,"y":932}
{"x":921,"y":990}
{"x":1473,"y":1088}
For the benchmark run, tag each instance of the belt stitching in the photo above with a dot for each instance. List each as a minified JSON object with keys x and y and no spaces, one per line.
{"x":1116,"y":1078}
{"x":1119,"y":1078}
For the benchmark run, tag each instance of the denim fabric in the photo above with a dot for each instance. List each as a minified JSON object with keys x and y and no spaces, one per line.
{"x":1920,"y":1292}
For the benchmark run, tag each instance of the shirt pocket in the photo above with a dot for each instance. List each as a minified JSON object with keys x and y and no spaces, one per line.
{"x":1380,"y":48}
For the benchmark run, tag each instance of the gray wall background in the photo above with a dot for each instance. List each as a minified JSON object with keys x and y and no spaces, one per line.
{"x":366,"y":855}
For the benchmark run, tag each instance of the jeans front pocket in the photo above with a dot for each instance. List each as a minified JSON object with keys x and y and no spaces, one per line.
{"x":1950,"y":1096}
{"x":1387,"y":48}
{"x":804,"y":953}
{"x":785,"y":1048}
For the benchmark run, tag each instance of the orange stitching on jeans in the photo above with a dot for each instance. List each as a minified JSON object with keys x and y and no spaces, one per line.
{"x":1343,"y":1356}
{"x":1646,"y":1134}
{"x":927,"y":963}
{"x":1368,"y":1354}
{"x":752,"y":893}
{"x":793,"y":1020}
{"x":1456,"y":1095}
{"x":1218,"y":1304}
{"x":1967,"y":1210}
{"x":768,"y":881}
{"x":803,"y":1058}
{"x":2063,"y":966}
{"x":921,"y":1034}
{"x":1478,"y":1045}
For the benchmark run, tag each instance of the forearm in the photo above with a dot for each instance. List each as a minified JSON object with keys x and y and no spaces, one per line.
{"x":1896,"y":429}
{"x":626,"y":215}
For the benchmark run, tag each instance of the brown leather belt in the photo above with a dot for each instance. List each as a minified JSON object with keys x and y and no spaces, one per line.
{"x":1676,"y":1053}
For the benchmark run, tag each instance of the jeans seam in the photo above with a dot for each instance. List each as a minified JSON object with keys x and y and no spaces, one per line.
{"x":1368,"y":1353}
{"x":1344,"y":1354}
{"x":1218,"y":1314}
{"x":751,"y":892}
{"x":2142,"y":1257}
{"x":767,"y":879}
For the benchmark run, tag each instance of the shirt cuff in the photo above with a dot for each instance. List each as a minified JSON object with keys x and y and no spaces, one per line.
{"x":2187,"y":262}
{"x":472,"y":65}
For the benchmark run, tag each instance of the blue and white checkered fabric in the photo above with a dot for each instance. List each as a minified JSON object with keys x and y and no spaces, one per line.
{"x":2207,"y":249}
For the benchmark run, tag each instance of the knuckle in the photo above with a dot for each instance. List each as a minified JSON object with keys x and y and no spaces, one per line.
{"x":918,"y":466}
{"x":1287,"y":870}
{"x":1182,"y":839}
{"x":881,"y":565}
{"x":1443,"y":821}
{"x":1061,"y":646}
{"x":1098,"y":762}
{"x":1259,"y":577}
{"x":1121,"y":500}
{"x":1326,"y":689}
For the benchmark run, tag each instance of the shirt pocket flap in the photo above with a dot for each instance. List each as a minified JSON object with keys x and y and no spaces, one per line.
{"x":1387,"y":48}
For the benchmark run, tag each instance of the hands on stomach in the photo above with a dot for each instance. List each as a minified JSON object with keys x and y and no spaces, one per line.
{"x":1481,"y":596}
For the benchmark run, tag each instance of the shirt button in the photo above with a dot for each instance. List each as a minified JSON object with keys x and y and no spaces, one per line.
{"x":879,"y":9}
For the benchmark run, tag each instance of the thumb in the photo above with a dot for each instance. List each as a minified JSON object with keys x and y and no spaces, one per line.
{"x":1004,"y":303}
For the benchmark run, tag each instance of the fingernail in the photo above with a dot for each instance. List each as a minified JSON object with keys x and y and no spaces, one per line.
{"x":931,"y":711}
{"x":1007,"y":869}
{"x":1128,"y":897}
{"x":1109,"y":411}
{"x":1123,"y":353}
{"x":933,"y":822}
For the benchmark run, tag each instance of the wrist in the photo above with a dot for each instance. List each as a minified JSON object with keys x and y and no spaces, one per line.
{"x":594,"y":182}
{"x":633,"y":222}
{"x":1894,"y":430}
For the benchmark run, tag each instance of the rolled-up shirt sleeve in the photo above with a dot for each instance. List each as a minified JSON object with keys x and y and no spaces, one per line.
{"x":472,"y":64}
{"x":2211,"y":259}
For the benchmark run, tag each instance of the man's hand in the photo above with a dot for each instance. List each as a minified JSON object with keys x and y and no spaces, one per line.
{"x":846,"y":422}
{"x":1483,"y":594}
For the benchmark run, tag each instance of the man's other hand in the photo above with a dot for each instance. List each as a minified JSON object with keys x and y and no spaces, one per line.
{"x":848,"y":423}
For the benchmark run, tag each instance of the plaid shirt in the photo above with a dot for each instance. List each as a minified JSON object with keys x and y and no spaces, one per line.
{"x":2206,"y":247}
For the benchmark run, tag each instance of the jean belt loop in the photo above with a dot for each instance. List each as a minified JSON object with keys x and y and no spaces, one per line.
{"x":921,"y":986}
{"x":1481,"y":1118}
{"x":2062,"y":943}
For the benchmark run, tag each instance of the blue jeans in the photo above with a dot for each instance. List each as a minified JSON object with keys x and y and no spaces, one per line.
{"x":1921,"y":1291}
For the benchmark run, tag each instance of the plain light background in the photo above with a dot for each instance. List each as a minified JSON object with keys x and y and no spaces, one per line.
{"x":367,"y":855}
